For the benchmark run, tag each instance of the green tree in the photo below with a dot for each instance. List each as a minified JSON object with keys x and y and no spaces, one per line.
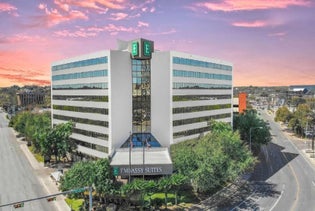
{"x":57,"y":141}
{"x":283,"y":114}
{"x":81,"y":174}
{"x":247,"y":120}
{"x":300,"y":119}
{"x":19,"y":122}
{"x":183,"y":155}
{"x":97,"y":174}
{"x":40,"y":127}
{"x":34,"y":126}
{"x":217,"y":158}
{"x":104,"y":178}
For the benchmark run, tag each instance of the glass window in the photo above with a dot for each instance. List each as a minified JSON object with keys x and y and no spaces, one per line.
{"x":192,"y":62}
{"x":81,"y":86}
{"x":184,"y":73}
{"x":82,"y":63}
{"x":88,"y":74}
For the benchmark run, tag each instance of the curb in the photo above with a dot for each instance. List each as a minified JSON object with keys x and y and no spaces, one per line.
{"x":43,"y":175}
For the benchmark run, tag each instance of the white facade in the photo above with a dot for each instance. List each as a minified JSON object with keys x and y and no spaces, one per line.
{"x":186,"y":92}
{"x":163,"y":91}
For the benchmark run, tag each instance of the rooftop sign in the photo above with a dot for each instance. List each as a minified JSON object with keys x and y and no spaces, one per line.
{"x":135,"y":49}
{"x":141,"y":49}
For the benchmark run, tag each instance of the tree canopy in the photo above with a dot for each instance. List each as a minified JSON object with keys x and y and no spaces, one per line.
{"x":57,"y":141}
{"x":300,"y":119}
{"x":252,"y":129}
{"x":89,"y":173}
{"x":213,"y":160}
{"x":283,"y":114}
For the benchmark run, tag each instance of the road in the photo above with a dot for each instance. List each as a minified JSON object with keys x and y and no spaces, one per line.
{"x":284,"y":180}
{"x":18,"y":180}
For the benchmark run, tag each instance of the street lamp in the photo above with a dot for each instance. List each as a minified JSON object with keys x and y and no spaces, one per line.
{"x":250,"y":136}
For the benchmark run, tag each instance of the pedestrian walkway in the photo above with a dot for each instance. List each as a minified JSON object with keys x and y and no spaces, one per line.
{"x":43,"y":174}
{"x":303,"y":145}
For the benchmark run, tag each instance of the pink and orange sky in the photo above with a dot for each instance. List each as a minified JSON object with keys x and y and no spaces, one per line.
{"x":269,"y":42}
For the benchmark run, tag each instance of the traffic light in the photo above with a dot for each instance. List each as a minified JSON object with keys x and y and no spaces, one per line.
{"x":51,"y":199}
{"x":18,"y":205}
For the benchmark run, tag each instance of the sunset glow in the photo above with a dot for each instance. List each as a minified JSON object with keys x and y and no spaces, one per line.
{"x":270,"y":43}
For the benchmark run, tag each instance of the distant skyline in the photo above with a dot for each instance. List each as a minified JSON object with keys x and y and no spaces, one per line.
{"x":270,"y":43}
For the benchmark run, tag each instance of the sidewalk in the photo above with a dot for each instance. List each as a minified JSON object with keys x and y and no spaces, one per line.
{"x":303,"y":145}
{"x":43,"y":175}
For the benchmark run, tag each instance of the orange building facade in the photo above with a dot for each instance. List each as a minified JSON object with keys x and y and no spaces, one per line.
{"x":242,"y":97}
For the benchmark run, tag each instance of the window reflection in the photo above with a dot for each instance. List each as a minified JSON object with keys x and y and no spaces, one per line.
{"x":82,"y":63}
{"x":141,"y":95}
{"x":197,"y":63}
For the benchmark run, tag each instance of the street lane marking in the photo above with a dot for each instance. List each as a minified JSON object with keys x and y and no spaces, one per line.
{"x":296,"y":181}
{"x":274,"y":205}
{"x":243,"y":202}
{"x":313,"y":183}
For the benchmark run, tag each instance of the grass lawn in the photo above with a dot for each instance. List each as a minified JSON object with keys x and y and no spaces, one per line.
{"x":37,"y":156}
{"x":75,"y":204}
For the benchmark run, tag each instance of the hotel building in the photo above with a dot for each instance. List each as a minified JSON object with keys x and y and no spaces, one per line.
{"x":137,"y":100}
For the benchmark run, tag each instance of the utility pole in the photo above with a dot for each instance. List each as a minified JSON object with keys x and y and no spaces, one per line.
{"x":250,"y":136}
{"x":143,"y":157}
{"x":90,"y":198}
{"x":130,"y":146}
{"x":313,"y":131}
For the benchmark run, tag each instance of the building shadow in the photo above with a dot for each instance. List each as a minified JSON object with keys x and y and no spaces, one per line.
{"x":271,"y":159}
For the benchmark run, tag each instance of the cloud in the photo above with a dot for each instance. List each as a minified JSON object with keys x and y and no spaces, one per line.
{"x":97,"y":5}
{"x":20,"y":79}
{"x":23,"y":76}
{"x":144,"y":6}
{"x":21,"y":38}
{"x":239,"y":5}
{"x":172,"y":31}
{"x":278,"y":34}
{"x":54,"y":17}
{"x":78,"y":33}
{"x":142,"y":24}
{"x":6,"y":7}
{"x":9,"y":69}
{"x":68,"y":10}
{"x":42,"y":6}
{"x":253,"y":24}
{"x":63,"y":6}
{"x":118,"y":16}
{"x":9,"y":8}
{"x":94,"y":31}
{"x":113,"y":29}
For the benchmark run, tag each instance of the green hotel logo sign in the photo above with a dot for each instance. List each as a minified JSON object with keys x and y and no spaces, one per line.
{"x":135,"y":49}
{"x":141,"y":49}
{"x":147,"y":48}
{"x":116,"y":171}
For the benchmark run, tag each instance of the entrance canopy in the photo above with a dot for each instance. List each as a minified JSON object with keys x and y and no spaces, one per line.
{"x":142,"y":154}
{"x":141,"y":139}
